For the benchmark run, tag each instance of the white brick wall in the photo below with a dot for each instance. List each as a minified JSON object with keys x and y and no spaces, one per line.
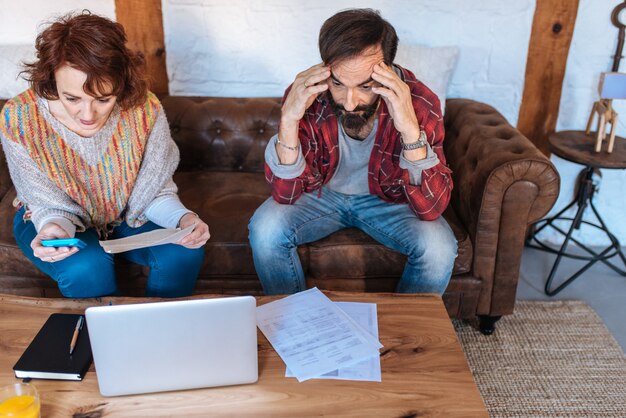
{"x":223,"y":48}
{"x":240,"y":48}
{"x":21,"y":19}
{"x":20,"y":22}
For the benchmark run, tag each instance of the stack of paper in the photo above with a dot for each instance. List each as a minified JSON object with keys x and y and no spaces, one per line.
{"x":316,"y":338}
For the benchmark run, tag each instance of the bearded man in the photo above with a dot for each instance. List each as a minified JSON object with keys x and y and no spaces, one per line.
{"x":359,"y":145}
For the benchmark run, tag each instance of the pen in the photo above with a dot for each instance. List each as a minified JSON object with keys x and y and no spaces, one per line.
{"x":79,"y":326}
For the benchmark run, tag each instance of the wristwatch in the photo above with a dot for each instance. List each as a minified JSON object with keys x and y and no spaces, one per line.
{"x":421,"y":142}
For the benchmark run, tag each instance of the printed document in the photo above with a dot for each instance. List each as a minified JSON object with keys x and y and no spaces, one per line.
{"x":314,"y":336}
{"x":363,"y":314}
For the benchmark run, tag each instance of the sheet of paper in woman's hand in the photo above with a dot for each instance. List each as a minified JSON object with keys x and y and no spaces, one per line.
{"x":147,"y":239}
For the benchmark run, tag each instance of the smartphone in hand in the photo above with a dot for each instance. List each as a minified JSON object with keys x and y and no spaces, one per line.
{"x":64,"y":242}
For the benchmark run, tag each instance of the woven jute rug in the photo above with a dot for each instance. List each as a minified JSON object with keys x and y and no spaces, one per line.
{"x":548,"y":359}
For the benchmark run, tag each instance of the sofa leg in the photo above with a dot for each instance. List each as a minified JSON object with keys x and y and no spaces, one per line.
{"x":487,"y":324}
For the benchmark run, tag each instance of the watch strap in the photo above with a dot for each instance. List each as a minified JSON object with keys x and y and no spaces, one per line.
{"x":421,"y":142}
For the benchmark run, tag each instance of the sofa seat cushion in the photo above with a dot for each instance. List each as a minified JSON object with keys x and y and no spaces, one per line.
{"x":227,"y":200}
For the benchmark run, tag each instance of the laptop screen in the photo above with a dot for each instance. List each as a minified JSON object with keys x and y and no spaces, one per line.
{"x":174,"y":345}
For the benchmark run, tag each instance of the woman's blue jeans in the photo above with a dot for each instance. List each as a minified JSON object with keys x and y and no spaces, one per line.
{"x":276,"y":230}
{"x":90,"y":272}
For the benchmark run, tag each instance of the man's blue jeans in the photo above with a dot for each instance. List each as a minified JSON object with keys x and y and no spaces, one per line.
{"x":276,"y":230}
{"x":90,"y":272}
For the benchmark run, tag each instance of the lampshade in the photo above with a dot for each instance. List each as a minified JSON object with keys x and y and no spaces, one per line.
{"x":612,"y":86}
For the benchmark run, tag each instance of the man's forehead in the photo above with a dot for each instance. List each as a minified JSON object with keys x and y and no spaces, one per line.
{"x":357,"y":70}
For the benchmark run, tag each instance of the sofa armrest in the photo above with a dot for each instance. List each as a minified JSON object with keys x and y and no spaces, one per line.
{"x":5,"y":177}
{"x":502,"y":183}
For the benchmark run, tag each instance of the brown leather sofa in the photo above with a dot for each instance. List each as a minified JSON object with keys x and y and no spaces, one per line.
{"x":502,"y":183}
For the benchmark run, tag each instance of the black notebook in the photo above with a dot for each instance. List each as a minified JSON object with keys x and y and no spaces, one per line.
{"x":48,"y":355}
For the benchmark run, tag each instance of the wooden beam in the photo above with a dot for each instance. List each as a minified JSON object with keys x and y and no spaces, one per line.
{"x":143,"y":22}
{"x":553,"y":26}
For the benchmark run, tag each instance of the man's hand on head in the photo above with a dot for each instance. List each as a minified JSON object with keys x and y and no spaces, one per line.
{"x":397,"y":96}
{"x":306,"y":87}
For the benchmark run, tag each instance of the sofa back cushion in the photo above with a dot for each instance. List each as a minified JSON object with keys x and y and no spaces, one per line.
{"x":222,"y":134}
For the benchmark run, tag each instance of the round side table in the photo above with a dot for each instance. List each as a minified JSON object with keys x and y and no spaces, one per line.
{"x":577,"y":147}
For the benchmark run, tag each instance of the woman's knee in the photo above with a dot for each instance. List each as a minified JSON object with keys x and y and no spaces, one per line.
{"x":190,"y":258}
{"x":81,"y":278}
{"x":180,"y":258}
{"x":174,"y":271}
{"x":176,"y":261}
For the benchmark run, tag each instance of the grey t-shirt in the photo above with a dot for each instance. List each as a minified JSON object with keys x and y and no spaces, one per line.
{"x":354,"y":155}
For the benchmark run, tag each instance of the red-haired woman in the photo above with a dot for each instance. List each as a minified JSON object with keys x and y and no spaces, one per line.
{"x":91,"y":156}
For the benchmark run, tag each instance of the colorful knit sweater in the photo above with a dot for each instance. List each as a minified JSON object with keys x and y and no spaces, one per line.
{"x":93,"y":179}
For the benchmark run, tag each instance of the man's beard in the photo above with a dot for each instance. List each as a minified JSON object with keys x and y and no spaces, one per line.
{"x":356,"y":119}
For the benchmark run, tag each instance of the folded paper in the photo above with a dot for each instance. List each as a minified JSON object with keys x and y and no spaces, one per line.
{"x":147,"y":239}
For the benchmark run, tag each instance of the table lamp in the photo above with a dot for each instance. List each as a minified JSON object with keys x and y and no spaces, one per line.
{"x":612,"y":86}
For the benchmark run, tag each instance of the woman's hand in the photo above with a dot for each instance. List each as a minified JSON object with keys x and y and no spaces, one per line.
{"x":51,"y":254}
{"x":200,"y":234}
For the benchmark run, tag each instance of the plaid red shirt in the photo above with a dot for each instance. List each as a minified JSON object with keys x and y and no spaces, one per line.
{"x":319,"y":141}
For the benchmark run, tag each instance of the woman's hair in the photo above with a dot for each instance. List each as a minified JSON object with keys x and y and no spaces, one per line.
{"x":96,"y":46}
{"x":350,"y":32}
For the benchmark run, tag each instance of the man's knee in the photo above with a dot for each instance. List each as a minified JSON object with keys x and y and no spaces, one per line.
{"x":435,"y":249}
{"x":434,"y":236}
{"x":444,"y":250}
{"x":267,"y":229}
{"x":440,"y":253}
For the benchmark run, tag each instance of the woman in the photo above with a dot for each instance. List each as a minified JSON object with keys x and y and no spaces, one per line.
{"x":91,"y":156}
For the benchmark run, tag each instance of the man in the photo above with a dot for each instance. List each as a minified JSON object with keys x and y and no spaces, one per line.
{"x":359,"y":145}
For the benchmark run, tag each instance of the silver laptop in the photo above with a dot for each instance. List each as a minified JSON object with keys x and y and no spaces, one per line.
{"x":163,"y":346}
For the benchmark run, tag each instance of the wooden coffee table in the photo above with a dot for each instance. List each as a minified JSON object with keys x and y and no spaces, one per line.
{"x":424,"y":372}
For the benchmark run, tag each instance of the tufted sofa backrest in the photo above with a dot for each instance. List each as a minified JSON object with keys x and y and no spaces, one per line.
{"x":222,"y":134}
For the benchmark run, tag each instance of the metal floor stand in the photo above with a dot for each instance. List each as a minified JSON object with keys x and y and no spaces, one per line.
{"x":584,"y":198}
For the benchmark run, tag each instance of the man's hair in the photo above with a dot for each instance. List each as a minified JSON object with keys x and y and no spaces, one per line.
{"x":96,"y":46}
{"x":350,"y":32}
